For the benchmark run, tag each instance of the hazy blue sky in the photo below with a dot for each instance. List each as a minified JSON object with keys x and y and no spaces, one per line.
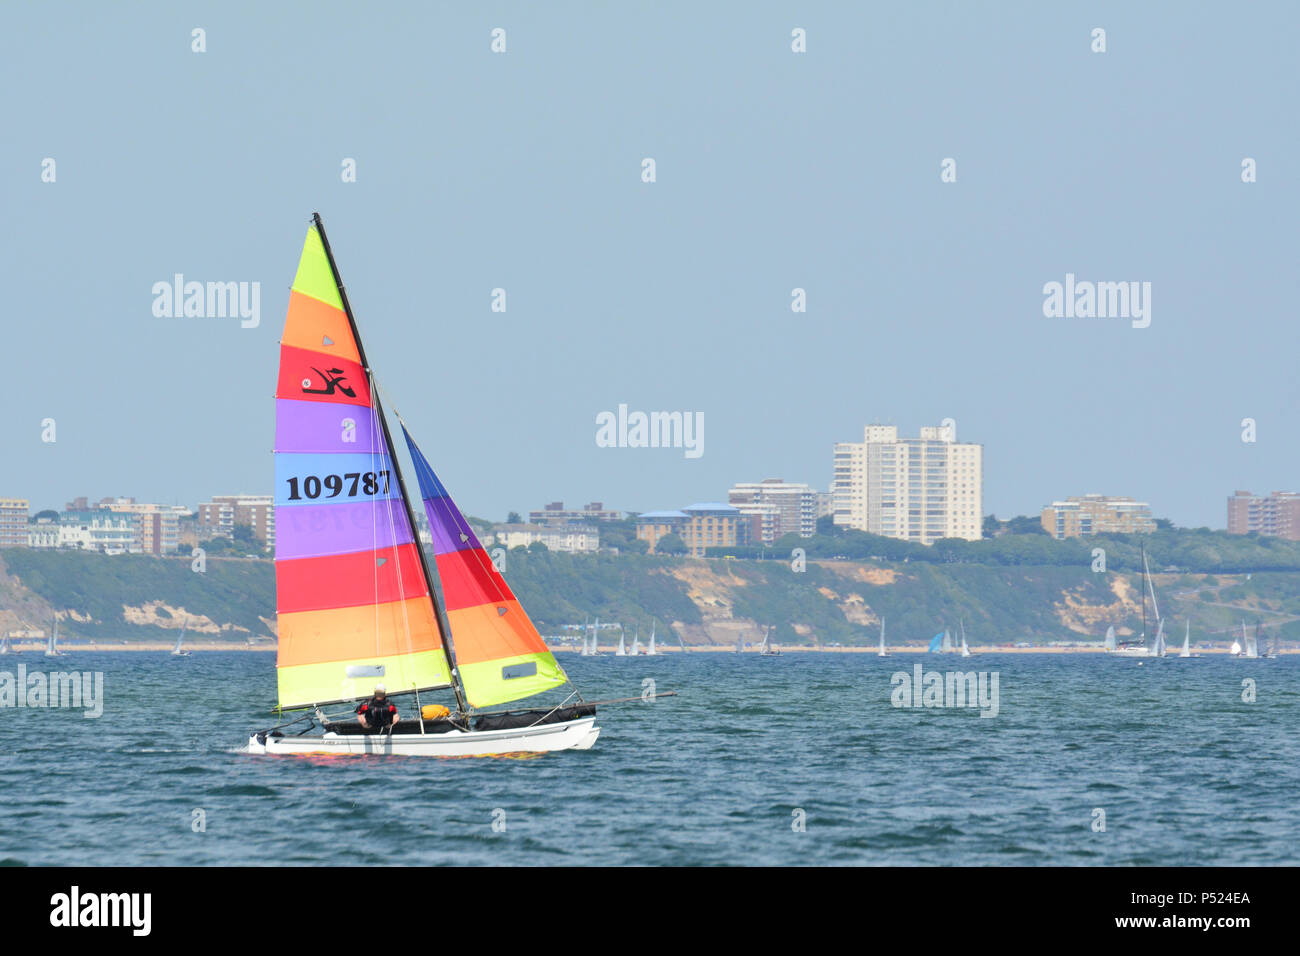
{"x":775,"y":170}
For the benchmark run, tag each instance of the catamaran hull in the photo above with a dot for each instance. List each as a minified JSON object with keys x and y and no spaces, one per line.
{"x":570,"y":735}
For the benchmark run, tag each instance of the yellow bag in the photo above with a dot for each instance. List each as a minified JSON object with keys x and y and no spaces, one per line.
{"x":434,"y":711}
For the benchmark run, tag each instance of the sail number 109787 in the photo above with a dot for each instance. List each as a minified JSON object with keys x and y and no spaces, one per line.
{"x":313,"y":487}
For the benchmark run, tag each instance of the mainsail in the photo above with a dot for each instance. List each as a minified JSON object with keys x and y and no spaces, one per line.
{"x":499,"y":654}
{"x":353,"y":598}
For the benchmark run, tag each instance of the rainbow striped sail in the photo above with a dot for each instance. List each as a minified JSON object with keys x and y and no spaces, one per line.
{"x":354,"y":601}
{"x":499,"y":654}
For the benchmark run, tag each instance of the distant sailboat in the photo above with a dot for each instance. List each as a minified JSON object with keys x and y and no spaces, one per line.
{"x":682,"y":643}
{"x":1109,"y":643}
{"x":883,"y":652}
{"x":4,"y":645}
{"x":965,"y":650}
{"x":650,"y":649}
{"x":1251,"y":642}
{"x":586,"y":638}
{"x":1187,"y":642}
{"x":1160,"y":649}
{"x":947,"y":647}
{"x":52,"y":648}
{"x":740,"y":646}
{"x":636,"y":643}
{"x":595,"y":640}
{"x":767,"y":649}
{"x":1141,"y":649}
{"x":176,"y":651}
{"x":622,"y":644}
{"x":936,"y":643}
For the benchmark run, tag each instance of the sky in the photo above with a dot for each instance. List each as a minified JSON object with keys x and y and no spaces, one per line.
{"x":774,"y":171}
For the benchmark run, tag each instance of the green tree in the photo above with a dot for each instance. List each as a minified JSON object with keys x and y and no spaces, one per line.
{"x":670,"y":544}
{"x":514,"y":518}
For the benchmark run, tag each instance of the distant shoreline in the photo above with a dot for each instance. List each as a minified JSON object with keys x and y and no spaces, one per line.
{"x":38,"y":649}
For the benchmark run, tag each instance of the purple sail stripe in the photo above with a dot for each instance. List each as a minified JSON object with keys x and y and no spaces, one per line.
{"x":450,"y":530}
{"x":310,"y":531}
{"x":322,"y":427}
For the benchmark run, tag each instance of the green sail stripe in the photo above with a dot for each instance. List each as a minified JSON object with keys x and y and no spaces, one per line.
{"x":486,"y":685}
{"x":314,"y":276}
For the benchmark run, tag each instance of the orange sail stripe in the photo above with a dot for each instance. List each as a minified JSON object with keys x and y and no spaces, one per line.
{"x":484,"y":634}
{"x":354,"y":633}
{"x":312,"y":324}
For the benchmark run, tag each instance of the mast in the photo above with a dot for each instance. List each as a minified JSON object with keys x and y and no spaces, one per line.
{"x":1144,"y":596}
{"x":444,"y":632}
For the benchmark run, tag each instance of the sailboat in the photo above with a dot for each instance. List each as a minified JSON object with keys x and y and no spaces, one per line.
{"x":1109,"y":643}
{"x":52,"y":647}
{"x":883,"y":652}
{"x":650,"y":650}
{"x":622,"y":646}
{"x":1140,"y":649}
{"x":595,"y":639}
{"x":740,"y":646}
{"x":946,"y":647}
{"x":636,"y":643}
{"x":4,"y":645}
{"x":176,"y":651}
{"x":965,"y":650}
{"x":1250,"y":642}
{"x":767,"y":649}
{"x":356,"y":596}
{"x":936,"y":643}
{"x":1187,"y":642}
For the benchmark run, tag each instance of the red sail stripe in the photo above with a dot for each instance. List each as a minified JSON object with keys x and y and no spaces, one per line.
{"x":303,"y":365}
{"x":349,"y":580}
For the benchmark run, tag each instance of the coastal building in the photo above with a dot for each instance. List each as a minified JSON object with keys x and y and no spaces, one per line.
{"x":569,"y":537}
{"x":1276,"y":514}
{"x":556,"y":513}
{"x":700,"y":526}
{"x":714,"y":525}
{"x":13,"y":522}
{"x":98,"y":529}
{"x":1079,"y":516}
{"x":218,"y":517}
{"x":158,"y":527}
{"x":782,"y":507}
{"x":43,"y":532}
{"x":915,"y":489}
{"x":653,"y":525}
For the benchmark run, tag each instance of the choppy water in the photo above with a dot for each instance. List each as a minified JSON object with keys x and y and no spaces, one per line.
{"x":1186,"y":772}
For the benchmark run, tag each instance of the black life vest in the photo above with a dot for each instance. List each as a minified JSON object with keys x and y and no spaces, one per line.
{"x":378,"y":713}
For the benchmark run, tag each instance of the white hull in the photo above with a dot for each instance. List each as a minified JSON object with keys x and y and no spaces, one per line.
{"x":572,"y":735}
{"x":1132,"y":652}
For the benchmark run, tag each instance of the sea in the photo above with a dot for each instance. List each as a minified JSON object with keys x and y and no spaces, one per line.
{"x":802,"y":759}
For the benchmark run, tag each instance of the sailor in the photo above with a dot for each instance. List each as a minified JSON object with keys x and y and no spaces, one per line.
{"x":377,"y":713}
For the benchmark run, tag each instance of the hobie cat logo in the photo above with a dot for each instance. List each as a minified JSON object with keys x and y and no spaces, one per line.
{"x":208,"y":300}
{"x":1098,"y":300}
{"x":331,"y":378}
{"x":651,"y":430}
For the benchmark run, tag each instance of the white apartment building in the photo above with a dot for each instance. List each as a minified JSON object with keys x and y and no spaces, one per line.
{"x":783,"y":507}
{"x":915,"y":489}
{"x":572,"y":538}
